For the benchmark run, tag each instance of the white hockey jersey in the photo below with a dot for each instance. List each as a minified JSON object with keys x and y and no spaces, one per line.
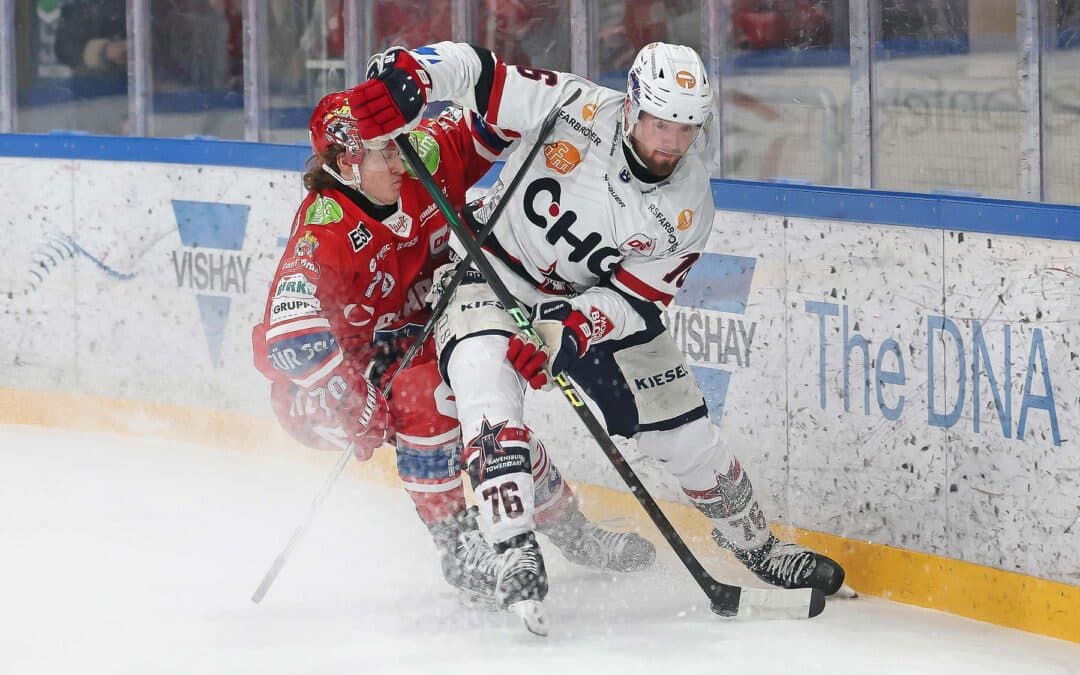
{"x":580,"y":225}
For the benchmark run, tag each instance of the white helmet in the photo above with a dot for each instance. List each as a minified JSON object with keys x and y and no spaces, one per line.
{"x":669,"y":82}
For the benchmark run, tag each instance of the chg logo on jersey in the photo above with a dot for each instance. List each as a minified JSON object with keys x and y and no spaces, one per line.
{"x":561,"y":157}
{"x":588,"y":112}
{"x":209,"y":262}
{"x":541,"y":204}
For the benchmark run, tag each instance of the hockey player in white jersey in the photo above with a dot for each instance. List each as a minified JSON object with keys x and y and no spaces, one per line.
{"x":597,"y":241}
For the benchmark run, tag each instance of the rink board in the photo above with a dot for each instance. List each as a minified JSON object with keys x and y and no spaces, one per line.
{"x":911,"y":385}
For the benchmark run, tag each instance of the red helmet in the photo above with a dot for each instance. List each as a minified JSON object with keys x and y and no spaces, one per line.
{"x":332,"y":124}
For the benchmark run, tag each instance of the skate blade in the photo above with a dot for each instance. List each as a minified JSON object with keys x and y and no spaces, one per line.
{"x":532,"y":614}
{"x":846,"y":593}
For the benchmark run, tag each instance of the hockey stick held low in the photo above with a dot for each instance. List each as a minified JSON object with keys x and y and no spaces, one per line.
{"x":725,"y":599}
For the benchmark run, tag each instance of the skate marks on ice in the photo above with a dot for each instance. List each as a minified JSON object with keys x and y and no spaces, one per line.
{"x":136,"y":557}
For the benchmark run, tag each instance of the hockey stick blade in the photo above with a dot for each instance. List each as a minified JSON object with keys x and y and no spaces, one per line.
{"x":726,"y":599}
{"x":758,"y":603}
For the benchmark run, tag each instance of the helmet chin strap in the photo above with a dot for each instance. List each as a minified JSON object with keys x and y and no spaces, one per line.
{"x":633,"y":153}
{"x":354,"y":183}
{"x":627,"y":135}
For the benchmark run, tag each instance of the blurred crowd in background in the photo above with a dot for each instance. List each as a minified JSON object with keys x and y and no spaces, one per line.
{"x":78,"y":48}
{"x":947,"y":114}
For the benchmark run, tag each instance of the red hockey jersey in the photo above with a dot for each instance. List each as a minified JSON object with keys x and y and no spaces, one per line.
{"x":346,"y":279}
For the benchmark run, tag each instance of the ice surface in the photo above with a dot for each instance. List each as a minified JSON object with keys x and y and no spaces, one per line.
{"x":126,"y":556}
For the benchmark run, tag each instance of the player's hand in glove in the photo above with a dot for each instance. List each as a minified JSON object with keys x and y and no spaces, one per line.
{"x":358,"y":417}
{"x":392,"y":101}
{"x":366,"y":418}
{"x":567,"y":334}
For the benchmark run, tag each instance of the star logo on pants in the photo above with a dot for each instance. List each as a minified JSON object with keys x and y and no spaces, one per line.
{"x":487,"y":441}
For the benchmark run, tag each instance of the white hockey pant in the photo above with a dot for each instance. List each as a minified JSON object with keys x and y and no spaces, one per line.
{"x":516,"y":484}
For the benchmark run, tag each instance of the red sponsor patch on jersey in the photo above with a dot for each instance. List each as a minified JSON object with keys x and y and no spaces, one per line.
{"x":601,"y":324}
{"x":639,"y":243}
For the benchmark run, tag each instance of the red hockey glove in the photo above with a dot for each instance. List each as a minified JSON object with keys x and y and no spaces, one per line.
{"x":359,"y":418}
{"x":366,"y":418}
{"x":392,"y":102}
{"x":566,"y":333}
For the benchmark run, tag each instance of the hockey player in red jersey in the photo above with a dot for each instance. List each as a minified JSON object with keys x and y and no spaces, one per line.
{"x":597,"y":243}
{"x":347,"y":299}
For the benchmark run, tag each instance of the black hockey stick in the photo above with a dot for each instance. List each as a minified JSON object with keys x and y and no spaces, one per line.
{"x":406,"y":359}
{"x":459,"y":273}
{"x":725,"y":599}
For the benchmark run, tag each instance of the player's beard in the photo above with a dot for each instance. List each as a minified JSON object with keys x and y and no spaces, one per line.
{"x":661,"y":163}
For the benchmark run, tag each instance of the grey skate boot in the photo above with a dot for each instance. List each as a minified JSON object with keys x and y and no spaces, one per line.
{"x":468,"y":562}
{"x":788,"y":565}
{"x":585,"y":543}
{"x":521,"y":583}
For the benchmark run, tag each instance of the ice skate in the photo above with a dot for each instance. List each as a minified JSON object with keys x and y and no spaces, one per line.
{"x":521,"y":583}
{"x":468,"y":562}
{"x":588,"y":544}
{"x":788,"y":565}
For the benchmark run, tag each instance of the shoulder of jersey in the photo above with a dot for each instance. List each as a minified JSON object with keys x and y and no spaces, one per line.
{"x":594,"y":109}
{"x":323,"y":211}
{"x":585,"y":129}
{"x":688,"y":204}
{"x":325,"y":217}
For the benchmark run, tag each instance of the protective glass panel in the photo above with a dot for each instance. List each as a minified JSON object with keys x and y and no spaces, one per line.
{"x":71,"y":66}
{"x":787,"y":92}
{"x":410,"y":23}
{"x":526,"y":33}
{"x":1061,"y":104}
{"x":625,"y":27}
{"x":946,"y":107}
{"x":197,"y":65}
{"x":305,"y":61}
